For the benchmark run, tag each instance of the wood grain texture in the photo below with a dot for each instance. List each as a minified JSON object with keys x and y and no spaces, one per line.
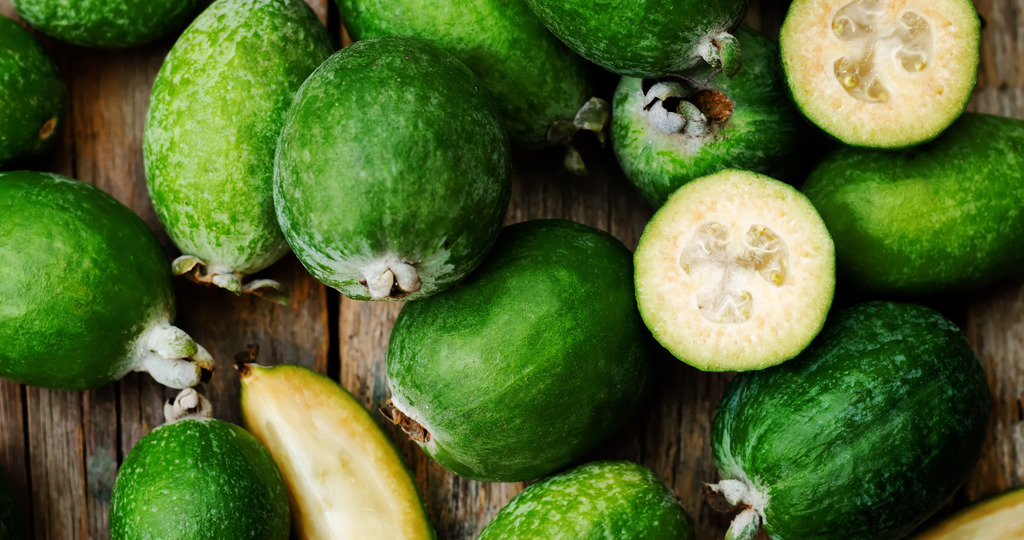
{"x":62,"y":448}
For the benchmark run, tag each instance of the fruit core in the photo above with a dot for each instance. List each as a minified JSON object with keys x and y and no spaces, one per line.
{"x":730,"y":266}
{"x":871,"y":37}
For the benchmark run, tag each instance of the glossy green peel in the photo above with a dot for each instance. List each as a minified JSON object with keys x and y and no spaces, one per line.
{"x":108,"y":24}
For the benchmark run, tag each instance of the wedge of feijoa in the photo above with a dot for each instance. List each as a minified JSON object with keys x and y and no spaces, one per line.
{"x":601,"y":499}
{"x":108,"y":24}
{"x":86,"y":290}
{"x":344,"y":476}
{"x":648,"y":38}
{"x":881,"y":73}
{"x":997,"y":518}
{"x":32,"y":95}
{"x":868,"y":432}
{"x":735,"y":272}
{"x":935,"y":218}
{"x":198,"y":478}
{"x":393,"y":170}
{"x":668,"y":131}
{"x":530,"y":363}
{"x":217,"y":107}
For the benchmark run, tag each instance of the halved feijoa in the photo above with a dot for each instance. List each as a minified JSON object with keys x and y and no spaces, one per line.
{"x":86,"y":290}
{"x":997,"y":518}
{"x":344,"y":476}
{"x":881,"y":73}
{"x":393,"y":170}
{"x":32,"y":95}
{"x":668,"y":131}
{"x":198,"y":478}
{"x":735,"y":272}
{"x":106,"y":23}
{"x":601,"y":499}
{"x":217,"y":107}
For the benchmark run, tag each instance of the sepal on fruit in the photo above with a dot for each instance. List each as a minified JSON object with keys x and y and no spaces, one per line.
{"x":723,"y":52}
{"x":172,"y":357}
{"x":187,"y":404}
{"x":196,"y":270}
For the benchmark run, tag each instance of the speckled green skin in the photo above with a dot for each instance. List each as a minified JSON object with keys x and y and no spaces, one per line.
{"x":533,"y":86}
{"x":943,"y":216}
{"x":32,"y":95}
{"x":765,"y":134}
{"x":392,"y":150}
{"x":217,"y":107}
{"x":199,"y":479}
{"x":639,"y":38}
{"x":106,"y":24}
{"x":611,"y":500}
{"x":11,"y":527}
{"x":867,"y":432}
{"x":531,"y":362}
{"x":82,"y":278}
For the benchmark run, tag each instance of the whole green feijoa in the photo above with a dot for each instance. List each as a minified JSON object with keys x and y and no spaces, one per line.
{"x":534,"y":86}
{"x":11,"y":524}
{"x":217,"y":107}
{"x":393,"y":170}
{"x":943,"y":216}
{"x":869,"y":431}
{"x":198,"y":478}
{"x":32,"y":95}
{"x":530,"y":363}
{"x":601,"y":499}
{"x":85,"y":288}
{"x":109,"y":24}
{"x":666,"y":132}
{"x":648,"y":38}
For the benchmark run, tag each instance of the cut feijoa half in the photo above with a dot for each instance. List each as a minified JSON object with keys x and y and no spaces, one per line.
{"x":881,"y":73}
{"x":393,"y":170}
{"x":86,"y":290}
{"x":601,"y":499}
{"x":344,"y":476}
{"x":735,"y":272}
{"x":996,"y":518}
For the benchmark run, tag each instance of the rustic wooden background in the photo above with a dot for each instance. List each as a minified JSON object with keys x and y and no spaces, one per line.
{"x":62,"y":449}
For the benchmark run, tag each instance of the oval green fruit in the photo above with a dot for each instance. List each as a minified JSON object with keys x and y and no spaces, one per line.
{"x":32,"y":95}
{"x":393,"y":171}
{"x":108,"y":24}
{"x":602,"y":499}
{"x":881,"y":73}
{"x":648,"y":38}
{"x":666,"y":132}
{"x":997,"y":518}
{"x":534,"y":86}
{"x":216,"y":110}
{"x":868,"y":432}
{"x":87,"y":296}
{"x":938,"y":217}
{"x":198,"y":478}
{"x":530,"y":363}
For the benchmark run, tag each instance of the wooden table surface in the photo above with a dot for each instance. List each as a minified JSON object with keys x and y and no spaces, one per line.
{"x":62,"y":449}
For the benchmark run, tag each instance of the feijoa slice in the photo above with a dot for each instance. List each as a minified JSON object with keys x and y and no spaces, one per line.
{"x":735,"y":272}
{"x":881,"y":73}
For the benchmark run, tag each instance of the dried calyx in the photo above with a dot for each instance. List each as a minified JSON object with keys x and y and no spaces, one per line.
{"x":684,"y":106}
{"x":198,"y":271}
{"x":411,"y":427}
{"x":391,"y":279}
{"x":187,"y":404}
{"x":592,"y":117}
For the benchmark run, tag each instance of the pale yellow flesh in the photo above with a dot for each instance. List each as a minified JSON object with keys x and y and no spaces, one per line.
{"x":756,"y":299}
{"x":998,"y":518}
{"x":910,"y":66}
{"x":345,"y":479}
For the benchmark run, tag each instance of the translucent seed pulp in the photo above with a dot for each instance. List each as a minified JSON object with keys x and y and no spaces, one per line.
{"x":871,"y":39}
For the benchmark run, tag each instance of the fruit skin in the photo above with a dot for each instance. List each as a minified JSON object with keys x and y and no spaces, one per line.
{"x":763,"y":133}
{"x":392,"y":160}
{"x":531,"y":362}
{"x":32,"y":93}
{"x":320,"y":434}
{"x":108,"y":24}
{"x":216,"y":110}
{"x":11,"y":526}
{"x":942,"y":216}
{"x":84,"y":284}
{"x":868,"y":432}
{"x":533,"y":86}
{"x":997,"y":518}
{"x":601,"y":499}
{"x":199,"y":479}
{"x":647,"y":38}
